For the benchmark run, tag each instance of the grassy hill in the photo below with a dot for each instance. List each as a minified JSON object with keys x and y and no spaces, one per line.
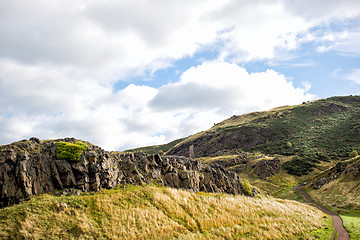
{"x":275,"y":150}
{"x":338,"y":189}
{"x":339,"y":186}
{"x":157,"y":148}
{"x":136,"y":212}
{"x":319,"y":130}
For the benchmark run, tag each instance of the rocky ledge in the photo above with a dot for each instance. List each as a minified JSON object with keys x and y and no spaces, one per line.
{"x":31,"y":167}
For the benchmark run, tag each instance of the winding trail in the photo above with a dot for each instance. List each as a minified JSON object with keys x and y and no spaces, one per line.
{"x":337,"y":221}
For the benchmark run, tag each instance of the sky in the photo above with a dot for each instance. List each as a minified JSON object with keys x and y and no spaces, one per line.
{"x":125,"y":74}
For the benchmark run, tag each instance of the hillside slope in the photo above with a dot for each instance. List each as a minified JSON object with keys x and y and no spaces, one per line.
{"x":149,"y":212}
{"x":323,"y":129}
{"x":339,"y":187}
{"x":156,"y":149}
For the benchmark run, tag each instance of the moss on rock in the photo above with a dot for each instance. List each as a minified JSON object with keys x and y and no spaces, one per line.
{"x":70,"y":151}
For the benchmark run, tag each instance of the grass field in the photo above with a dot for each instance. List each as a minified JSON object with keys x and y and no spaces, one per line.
{"x":351,"y":222}
{"x":136,"y":212}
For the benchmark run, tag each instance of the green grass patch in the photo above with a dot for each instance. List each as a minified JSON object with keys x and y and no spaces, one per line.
{"x":326,"y":231}
{"x":352,"y":223}
{"x":246,"y":187}
{"x":70,"y":151}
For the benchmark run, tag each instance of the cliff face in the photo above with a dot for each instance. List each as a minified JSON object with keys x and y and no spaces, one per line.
{"x":30,"y":167}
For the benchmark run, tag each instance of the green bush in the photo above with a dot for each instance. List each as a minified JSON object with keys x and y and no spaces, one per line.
{"x":70,"y":151}
{"x":323,"y":157}
{"x":299,"y":166}
{"x":246,"y":187}
{"x":354,"y":153}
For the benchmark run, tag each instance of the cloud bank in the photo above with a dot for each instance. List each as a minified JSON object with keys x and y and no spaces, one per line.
{"x":136,"y":115}
{"x":60,"y":61}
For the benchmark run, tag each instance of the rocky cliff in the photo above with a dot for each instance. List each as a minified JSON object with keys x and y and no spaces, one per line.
{"x":32,"y":167}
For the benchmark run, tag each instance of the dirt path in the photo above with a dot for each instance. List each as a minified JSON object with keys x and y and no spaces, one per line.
{"x":337,"y":221}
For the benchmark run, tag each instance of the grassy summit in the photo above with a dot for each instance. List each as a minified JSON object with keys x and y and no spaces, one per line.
{"x":322,"y":129}
{"x":157,"y":148}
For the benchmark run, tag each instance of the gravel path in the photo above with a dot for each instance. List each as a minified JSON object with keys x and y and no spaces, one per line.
{"x":337,"y":221}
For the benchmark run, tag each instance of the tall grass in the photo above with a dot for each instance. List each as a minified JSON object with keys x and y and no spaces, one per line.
{"x":159,"y":213}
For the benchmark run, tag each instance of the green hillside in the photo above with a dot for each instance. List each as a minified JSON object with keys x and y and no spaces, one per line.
{"x":320,"y":130}
{"x":338,"y":189}
{"x":157,"y":148}
{"x":339,"y":186}
{"x":275,"y":150}
{"x":150,"y":212}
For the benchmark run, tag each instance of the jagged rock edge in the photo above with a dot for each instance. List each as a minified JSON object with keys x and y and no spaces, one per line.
{"x":30,"y":167}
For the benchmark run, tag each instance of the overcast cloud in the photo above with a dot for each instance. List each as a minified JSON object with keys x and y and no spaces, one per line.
{"x":60,"y":61}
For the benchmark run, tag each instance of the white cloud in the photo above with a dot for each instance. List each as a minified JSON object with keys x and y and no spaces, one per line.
{"x":336,"y":72}
{"x":322,"y":48}
{"x":107,"y":38}
{"x":136,"y":115}
{"x":224,"y":89}
{"x":258,"y":29}
{"x":323,"y":10}
{"x":30,"y":89}
{"x":60,"y":59}
{"x":104,"y":39}
{"x":353,"y":75}
{"x":306,"y":86}
{"x":348,"y":43}
{"x":344,"y":42}
{"x":52,"y":104}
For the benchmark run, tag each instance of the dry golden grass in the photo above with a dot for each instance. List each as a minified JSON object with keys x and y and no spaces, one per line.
{"x":343,"y":192}
{"x":217,"y":158}
{"x":159,"y":213}
{"x":340,"y":193}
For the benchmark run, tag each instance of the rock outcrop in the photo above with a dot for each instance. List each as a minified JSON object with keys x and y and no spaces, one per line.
{"x":30,"y":167}
{"x":267,"y":167}
{"x":240,"y":159}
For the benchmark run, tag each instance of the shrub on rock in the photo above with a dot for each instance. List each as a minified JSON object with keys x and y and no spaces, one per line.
{"x":70,"y":151}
